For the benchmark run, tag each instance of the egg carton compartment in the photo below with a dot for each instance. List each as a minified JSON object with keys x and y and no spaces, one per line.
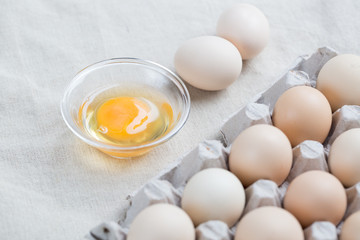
{"x":168,"y":186}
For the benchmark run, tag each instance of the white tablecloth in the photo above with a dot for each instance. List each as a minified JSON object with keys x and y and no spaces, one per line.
{"x":53,"y":186}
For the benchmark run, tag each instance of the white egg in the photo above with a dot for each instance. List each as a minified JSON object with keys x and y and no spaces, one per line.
{"x":246,"y":27}
{"x":162,"y":222}
{"x":214,"y":194}
{"x":208,"y":62}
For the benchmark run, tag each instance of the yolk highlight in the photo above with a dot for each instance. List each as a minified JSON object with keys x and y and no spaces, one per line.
{"x":124,"y":118}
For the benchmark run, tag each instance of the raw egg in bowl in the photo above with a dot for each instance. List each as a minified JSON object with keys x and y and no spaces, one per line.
{"x":125,"y":106}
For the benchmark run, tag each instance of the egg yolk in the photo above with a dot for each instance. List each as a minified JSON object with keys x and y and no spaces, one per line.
{"x":124,"y":118}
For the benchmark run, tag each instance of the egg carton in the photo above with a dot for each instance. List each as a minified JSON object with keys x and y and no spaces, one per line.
{"x":167,"y":187}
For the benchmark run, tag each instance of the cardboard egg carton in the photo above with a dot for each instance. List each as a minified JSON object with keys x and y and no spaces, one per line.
{"x":168,"y":186}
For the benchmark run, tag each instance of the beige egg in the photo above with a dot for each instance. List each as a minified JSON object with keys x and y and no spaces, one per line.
{"x":303,"y":113}
{"x":344,"y":157}
{"x":246,"y":27}
{"x":162,"y":222}
{"x":214,"y":194}
{"x":208,"y":62}
{"x":351,"y":228}
{"x":270,"y":223}
{"x":339,"y":81}
{"x":261,"y":152}
{"x":316,"y":196}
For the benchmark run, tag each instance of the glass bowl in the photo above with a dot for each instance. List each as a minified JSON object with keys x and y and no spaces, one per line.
{"x":122,"y":72}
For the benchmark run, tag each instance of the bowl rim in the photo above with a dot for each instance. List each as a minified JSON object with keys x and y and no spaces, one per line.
{"x":170,"y":75}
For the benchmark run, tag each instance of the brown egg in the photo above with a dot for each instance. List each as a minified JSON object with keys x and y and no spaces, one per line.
{"x":303,"y":113}
{"x":271,"y":223}
{"x":261,"y":152}
{"x":339,"y":80}
{"x":344,"y":157}
{"x":351,"y":228}
{"x":316,"y":196}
